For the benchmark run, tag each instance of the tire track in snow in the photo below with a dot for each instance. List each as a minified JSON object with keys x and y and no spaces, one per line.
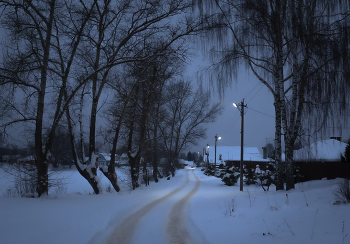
{"x":125,"y":230}
{"x":176,"y":229}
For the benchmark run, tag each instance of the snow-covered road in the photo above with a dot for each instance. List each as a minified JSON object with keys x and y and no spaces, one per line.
{"x":189,"y":208}
{"x":161,"y":220}
{"x":177,"y":231}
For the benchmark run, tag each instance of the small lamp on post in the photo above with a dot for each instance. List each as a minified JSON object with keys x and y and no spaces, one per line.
{"x":216,"y":139}
{"x":207,"y":155}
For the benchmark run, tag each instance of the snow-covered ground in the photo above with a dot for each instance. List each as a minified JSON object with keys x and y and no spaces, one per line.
{"x":74,"y":215}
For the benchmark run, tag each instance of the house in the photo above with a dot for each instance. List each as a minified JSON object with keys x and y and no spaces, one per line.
{"x":124,"y":160}
{"x":105,"y":158}
{"x":326,"y":150}
{"x":231,"y":155}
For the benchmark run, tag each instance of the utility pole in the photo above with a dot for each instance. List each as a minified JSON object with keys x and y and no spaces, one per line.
{"x":241,"y":107}
{"x":216,"y":139}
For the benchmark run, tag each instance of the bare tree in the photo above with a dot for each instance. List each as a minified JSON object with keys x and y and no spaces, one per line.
{"x":290,"y":46}
{"x":36,"y":63}
{"x":187,"y":114}
{"x":117,"y":33}
{"x":138,"y":95}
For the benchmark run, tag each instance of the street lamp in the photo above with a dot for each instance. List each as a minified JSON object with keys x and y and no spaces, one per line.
{"x":207,"y":155}
{"x":241,"y":107}
{"x":216,"y":139}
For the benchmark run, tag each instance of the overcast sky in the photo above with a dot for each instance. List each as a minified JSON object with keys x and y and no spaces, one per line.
{"x":258,"y":119}
{"x":258,"y":126}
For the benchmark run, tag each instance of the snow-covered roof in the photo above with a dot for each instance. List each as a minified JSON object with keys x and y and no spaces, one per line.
{"x":234,"y":153}
{"x":124,"y":155}
{"x":321,"y":150}
{"x":106,"y":156}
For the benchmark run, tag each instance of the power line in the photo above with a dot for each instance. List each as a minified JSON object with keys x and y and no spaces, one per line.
{"x":320,"y":126}
{"x":262,"y":85}
{"x":230,"y":126}
{"x":252,"y":90}
{"x":262,"y":113}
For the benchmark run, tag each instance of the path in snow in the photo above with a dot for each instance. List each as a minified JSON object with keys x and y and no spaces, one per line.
{"x":175,"y":230}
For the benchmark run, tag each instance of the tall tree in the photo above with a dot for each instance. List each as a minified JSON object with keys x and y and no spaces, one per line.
{"x":117,"y":35}
{"x":43,"y":38}
{"x":147,"y":80}
{"x":290,"y":46}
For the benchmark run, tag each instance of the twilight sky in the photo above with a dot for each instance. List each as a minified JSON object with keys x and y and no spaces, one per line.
{"x":258,"y":119}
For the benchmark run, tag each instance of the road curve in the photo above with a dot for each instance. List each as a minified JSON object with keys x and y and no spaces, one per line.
{"x":124,"y":232}
{"x":176,"y":228}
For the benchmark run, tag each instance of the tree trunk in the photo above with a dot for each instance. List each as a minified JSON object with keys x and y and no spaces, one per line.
{"x":109,"y":172}
{"x":155,"y":142}
{"x":289,"y":164}
{"x":133,"y":162}
{"x":278,"y":148}
{"x":155,"y":156}
{"x":95,"y":96}
{"x":290,"y":130}
{"x":280,"y":108}
{"x":111,"y":175}
{"x":41,"y":157}
{"x":81,"y":139}
{"x":88,"y":172}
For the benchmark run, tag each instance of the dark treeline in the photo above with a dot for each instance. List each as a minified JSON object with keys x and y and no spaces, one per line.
{"x":113,"y":69}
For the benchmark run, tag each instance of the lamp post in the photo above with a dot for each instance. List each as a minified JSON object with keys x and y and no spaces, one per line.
{"x":216,"y":139}
{"x":198,"y":162}
{"x":241,"y":107}
{"x":207,"y":155}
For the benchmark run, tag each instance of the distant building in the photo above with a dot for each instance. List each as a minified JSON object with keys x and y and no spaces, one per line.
{"x":124,"y":160}
{"x":105,"y":158}
{"x":326,"y":150}
{"x":231,"y":155}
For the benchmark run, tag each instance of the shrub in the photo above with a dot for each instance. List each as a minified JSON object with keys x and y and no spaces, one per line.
{"x":265,"y":180}
{"x":229,"y":208}
{"x":24,"y":180}
{"x":209,"y":171}
{"x":342,"y":194}
{"x":347,"y":152}
{"x":250,"y":176}
{"x":231,"y":177}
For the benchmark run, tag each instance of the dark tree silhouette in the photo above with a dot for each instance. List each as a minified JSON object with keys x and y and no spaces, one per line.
{"x":297,"y":49}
